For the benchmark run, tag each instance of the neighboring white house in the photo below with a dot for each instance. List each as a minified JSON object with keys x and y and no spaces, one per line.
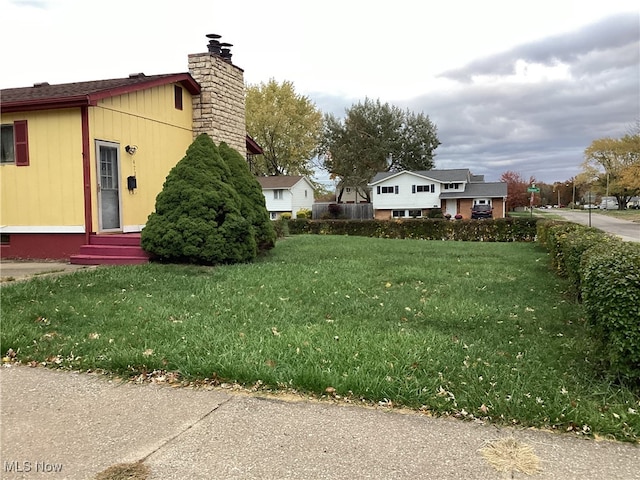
{"x":415,"y":193}
{"x":286,"y":194}
{"x":351,"y":194}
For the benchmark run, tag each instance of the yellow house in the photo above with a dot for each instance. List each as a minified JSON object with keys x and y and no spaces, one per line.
{"x":87,"y":157}
{"x":84,"y":159}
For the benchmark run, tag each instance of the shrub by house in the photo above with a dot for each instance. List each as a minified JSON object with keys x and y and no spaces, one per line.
{"x":198,"y":214}
{"x":252,"y":201}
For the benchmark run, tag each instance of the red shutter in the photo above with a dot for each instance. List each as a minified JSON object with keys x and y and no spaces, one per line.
{"x":21,"y":140}
{"x":177,"y":94}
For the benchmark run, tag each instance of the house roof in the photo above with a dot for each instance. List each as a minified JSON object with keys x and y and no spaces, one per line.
{"x":279,"y":181}
{"x":43,"y":96}
{"x":479,"y":189}
{"x":252,"y":147}
{"x":445,"y":176}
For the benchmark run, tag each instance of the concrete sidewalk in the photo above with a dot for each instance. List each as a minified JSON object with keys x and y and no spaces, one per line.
{"x":12,"y":271}
{"x":81,"y":424}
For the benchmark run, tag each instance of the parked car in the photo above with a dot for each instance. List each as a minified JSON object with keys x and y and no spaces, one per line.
{"x":589,"y":206}
{"x":481,"y":211}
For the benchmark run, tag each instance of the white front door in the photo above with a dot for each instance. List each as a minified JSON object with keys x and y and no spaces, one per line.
{"x":451,"y":206}
{"x":108,"y":159}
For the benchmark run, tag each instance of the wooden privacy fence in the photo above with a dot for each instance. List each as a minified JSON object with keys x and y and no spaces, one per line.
{"x":347,"y":211}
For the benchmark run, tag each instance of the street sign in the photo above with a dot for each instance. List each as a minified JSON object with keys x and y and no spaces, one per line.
{"x":533,"y":190}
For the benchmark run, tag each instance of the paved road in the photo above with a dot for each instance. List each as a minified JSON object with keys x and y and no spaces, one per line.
{"x":624,"y":229}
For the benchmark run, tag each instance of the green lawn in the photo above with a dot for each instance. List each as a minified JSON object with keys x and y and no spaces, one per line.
{"x":466,"y":329}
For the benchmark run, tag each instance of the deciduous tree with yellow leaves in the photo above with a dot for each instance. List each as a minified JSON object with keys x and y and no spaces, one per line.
{"x":286,"y":125}
{"x":613,"y":166}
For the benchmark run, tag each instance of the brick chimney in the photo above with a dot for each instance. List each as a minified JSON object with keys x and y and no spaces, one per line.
{"x":219,"y":110}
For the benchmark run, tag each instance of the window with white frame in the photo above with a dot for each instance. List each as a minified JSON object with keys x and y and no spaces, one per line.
{"x":277,"y":194}
{"x":14,"y":143}
{"x":273,"y":215}
{"x":424,"y":188}
{"x":412,"y":213}
{"x":393,"y":189}
{"x":7,"y":144}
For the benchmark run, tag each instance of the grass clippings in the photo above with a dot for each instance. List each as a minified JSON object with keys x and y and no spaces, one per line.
{"x":125,"y":471}
{"x":509,"y":456}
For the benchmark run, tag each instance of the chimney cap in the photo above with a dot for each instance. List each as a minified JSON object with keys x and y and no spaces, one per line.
{"x":213,"y":35}
{"x":225,"y":44}
{"x":41,"y":84}
{"x":137,"y":75}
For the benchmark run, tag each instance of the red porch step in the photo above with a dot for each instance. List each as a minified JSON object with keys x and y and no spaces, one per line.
{"x":113,"y":249}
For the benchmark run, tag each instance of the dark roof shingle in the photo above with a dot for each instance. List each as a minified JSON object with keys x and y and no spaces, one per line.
{"x":279,"y":181}
{"x":52,"y":96}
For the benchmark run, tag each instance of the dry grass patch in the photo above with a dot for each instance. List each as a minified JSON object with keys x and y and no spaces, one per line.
{"x":125,"y":471}
{"x":508,"y":455}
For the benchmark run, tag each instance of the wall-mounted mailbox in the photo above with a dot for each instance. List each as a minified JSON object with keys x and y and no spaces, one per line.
{"x":132,"y":183}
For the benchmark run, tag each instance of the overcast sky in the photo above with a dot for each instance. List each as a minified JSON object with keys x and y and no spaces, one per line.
{"x":511,"y":85}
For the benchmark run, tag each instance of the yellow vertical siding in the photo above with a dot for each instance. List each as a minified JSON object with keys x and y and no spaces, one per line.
{"x":48,"y":192}
{"x":149,"y":120}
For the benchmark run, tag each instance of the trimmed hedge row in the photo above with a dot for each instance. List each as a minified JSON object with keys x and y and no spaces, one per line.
{"x":498,"y":230}
{"x":604,"y":273}
{"x":611,"y":296}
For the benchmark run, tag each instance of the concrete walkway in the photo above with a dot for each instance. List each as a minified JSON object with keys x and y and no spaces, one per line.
{"x":63,"y":425}
{"x":12,"y":271}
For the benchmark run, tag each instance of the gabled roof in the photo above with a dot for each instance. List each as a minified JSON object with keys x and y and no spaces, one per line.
{"x":43,"y":96}
{"x":279,"y":181}
{"x":444,"y":176}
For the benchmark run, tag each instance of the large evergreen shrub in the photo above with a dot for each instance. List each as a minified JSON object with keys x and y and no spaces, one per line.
{"x":198,"y":216}
{"x":252,"y":201}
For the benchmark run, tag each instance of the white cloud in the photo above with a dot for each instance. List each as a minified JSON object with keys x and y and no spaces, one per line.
{"x":540,"y":91}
